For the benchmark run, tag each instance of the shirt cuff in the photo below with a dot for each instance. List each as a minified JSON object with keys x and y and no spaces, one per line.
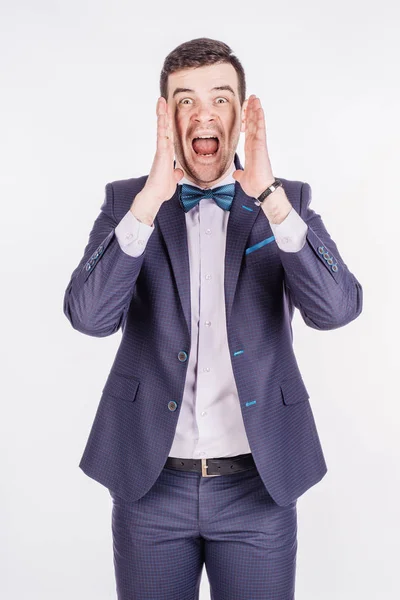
{"x":290,"y":235}
{"x":132,"y":234}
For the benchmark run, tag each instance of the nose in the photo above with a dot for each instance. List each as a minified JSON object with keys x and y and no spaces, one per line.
{"x":204,"y":114}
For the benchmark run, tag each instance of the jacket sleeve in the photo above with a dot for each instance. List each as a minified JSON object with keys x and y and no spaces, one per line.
{"x":98,"y":295}
{"x":317,"y":279}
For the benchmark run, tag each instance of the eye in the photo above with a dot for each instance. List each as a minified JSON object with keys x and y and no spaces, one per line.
{"x":183,"y":100}
{"x":221,"y":98}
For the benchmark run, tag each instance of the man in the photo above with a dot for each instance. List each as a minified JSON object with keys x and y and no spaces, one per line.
{"x":204,"y":434}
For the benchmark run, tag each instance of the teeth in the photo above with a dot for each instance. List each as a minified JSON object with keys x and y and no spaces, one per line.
{"x":204,"y":137}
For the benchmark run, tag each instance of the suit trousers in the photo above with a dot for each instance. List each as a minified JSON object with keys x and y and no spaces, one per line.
{"x":228,"y":523}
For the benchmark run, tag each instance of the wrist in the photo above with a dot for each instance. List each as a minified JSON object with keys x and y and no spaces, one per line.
{"x":265,"y":185}
{"x":276,"y":206}
{"x":144,"y":208}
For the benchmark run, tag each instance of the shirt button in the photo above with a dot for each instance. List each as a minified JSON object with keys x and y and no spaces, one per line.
{"x":129,"y":236}
{"x":140,"y":242}
{"x":208,"y":323}
{"x":206,"y":369}
{"x":208,"y":276}
{"x":203,"y":414}
{"x":208,"y":231}
{"x":200,"y":453}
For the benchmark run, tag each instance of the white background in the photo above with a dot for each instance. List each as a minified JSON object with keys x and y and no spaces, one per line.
{"x":79,"y":90}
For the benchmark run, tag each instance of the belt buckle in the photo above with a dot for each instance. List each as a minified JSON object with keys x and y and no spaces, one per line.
{"x":204,"y":467}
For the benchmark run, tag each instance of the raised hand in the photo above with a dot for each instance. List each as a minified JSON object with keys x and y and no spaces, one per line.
{"x":163,"y":177}
{"x":161,"y":182}
{"x":257,"y":174}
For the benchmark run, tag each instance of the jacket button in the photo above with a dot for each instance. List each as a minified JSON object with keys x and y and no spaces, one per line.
{"x":182,"y":356}
{"x":330,"y":261}
{"x":326,"y":256}
{"x":172,"y":405}
{"x":321,"y":249}
{"x":334,"y":268}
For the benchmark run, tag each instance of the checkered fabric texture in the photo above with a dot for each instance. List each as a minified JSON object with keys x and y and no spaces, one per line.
{"x":230,"y":524}
{"x":148,"y":298}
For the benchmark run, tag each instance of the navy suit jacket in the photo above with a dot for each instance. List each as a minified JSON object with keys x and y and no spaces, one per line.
{"x":148,"y":298}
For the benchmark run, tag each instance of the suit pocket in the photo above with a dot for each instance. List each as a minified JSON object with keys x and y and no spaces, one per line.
{"x":261,"y":251}
{"x":293,"y":390}
{"x":121,"y":386}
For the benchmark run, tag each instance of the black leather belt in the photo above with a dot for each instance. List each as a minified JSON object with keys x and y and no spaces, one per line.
{"x":212,"y":467}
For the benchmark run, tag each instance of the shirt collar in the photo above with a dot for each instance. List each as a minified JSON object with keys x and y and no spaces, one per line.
{"x":228,"y":179}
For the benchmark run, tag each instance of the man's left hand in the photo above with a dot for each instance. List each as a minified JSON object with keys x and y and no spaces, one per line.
{"x":257,"y":174}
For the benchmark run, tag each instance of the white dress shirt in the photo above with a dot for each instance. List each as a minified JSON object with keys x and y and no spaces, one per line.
{"x":210,"y":423}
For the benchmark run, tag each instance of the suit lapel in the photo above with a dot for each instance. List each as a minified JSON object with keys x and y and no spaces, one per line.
{"x":172,"y":223}
{"x":241,"y":219}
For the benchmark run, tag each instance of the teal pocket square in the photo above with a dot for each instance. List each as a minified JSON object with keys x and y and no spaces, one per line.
{"x":260,"y":244}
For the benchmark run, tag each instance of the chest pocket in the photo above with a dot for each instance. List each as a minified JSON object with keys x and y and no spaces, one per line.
{"x":265,"y":251}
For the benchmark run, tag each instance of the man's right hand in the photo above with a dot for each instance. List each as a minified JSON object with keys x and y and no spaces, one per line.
{"x":161,"y":182}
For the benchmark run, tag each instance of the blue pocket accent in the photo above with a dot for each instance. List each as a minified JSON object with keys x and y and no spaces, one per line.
{"x":250,"y":403}
{"x":260,"y":244}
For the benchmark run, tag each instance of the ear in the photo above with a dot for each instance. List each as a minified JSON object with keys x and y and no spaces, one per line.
{"x":243,"y":115}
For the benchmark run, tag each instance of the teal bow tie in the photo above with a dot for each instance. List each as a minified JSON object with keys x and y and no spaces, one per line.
{"x":191,"y":195}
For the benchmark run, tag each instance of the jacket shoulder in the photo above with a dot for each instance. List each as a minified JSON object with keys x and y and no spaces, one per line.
{"x":127,"y":185}
{"x":291,"y":183}
{"x":124,"y":191}
{"x":292,"y":189}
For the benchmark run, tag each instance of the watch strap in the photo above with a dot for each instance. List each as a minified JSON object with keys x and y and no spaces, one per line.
{"x":277,"y":183}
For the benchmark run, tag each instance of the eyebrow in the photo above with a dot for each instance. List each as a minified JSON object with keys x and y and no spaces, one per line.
{"x":219,"y":87}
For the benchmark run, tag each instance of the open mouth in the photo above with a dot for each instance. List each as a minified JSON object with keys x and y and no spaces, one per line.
{"x":205,"y":145}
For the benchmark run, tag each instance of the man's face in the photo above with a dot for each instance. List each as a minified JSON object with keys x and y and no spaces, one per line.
{"x":198,"y":109}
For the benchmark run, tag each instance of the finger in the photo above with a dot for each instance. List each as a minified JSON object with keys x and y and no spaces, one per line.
{"x":164,"y":131}
{"x":178,"y":174}
{"x":257,"y":130}
{"x":260,"y":121}
{"x":251,"y":120}
{"x":161,"y":130}
{"x":160,"y":108}
{"x":170,"y":123}
{"x":238,"y":174}
{"x":250,"y":105}
{"x":252,"y":113}
{"x":163,"y":117}
{"x":247,"y":112}
{"x":261,"y":129}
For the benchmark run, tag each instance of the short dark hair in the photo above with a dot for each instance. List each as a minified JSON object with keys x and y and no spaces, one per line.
{"x":198,"y":53}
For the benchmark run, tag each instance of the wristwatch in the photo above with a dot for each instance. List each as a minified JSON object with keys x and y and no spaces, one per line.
{"x":277,"y":183}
